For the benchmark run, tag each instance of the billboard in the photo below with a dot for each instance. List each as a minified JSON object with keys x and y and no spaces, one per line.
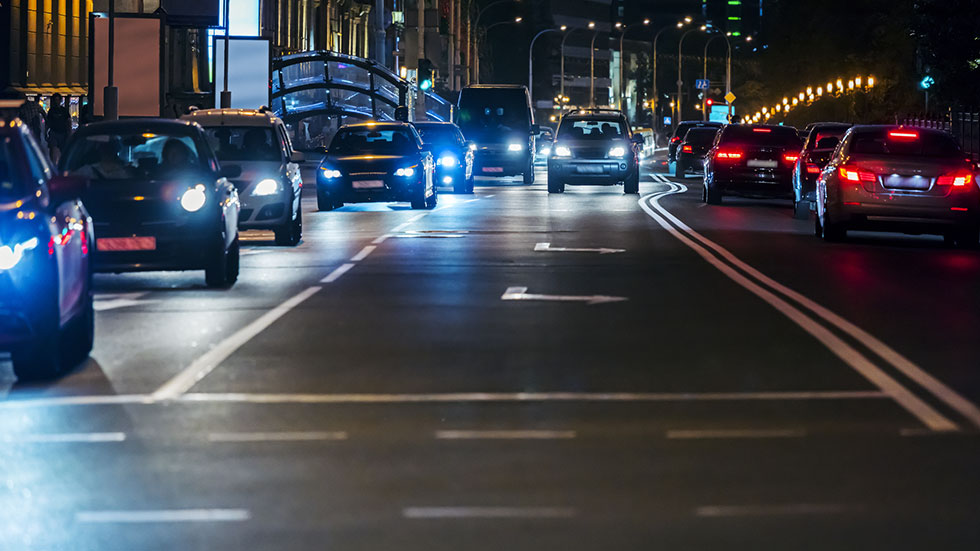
{"x":136,"y":64}
{"x":249,"y":69}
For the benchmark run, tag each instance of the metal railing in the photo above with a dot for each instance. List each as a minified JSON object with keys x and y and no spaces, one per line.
{"x":963,"y":125}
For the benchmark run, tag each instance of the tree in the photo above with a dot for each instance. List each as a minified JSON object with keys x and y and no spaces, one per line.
{"x":948,"y":33}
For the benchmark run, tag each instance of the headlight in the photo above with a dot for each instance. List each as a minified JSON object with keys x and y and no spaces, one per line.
{"x":617,"y":151}
{"x":10,"y":256}
{"x":563,"y":151}
{"x":266,"y":187}
{"x":472,"y":147}
{"x":405,"y":172}
{"x":193,"y":199}
{"x":515,"y":147}
{"x":546,"y":150}
{"x":447,"y":161}
{"x":330,"y":173}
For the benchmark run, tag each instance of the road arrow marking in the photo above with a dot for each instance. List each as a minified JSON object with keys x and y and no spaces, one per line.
{"x":520,"y":293}
{"x":547,"y":248}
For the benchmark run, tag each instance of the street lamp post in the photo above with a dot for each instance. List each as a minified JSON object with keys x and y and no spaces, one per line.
{"x":622,"y":86}
{"x":568,"y":34}
{"x":530,"y":66}
{"x":110,"y":94}
{"x":592,"y":69}
{"x":654,"y":98}
{"x":728,"y":71}
{"x":680,"y":82}
{"x":471,"y":41}
{"x":486,"y":32}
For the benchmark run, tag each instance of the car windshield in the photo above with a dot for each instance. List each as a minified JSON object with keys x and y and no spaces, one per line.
{"x":761,"y":136}
{"x":13,"y":178}
{"x":819,"y":133}
{"x":700,"y":136}
{"x":441,"y":134}
{"x":905,"y":143}
{"x":590,"y":129}
{"x":244,"y":143}
{"x":373,"y":141}
{"x":136,"y":154}
{"x":493,"y":113}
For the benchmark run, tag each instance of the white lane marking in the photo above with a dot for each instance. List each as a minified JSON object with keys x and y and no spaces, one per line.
{"x":417,"y":217}
{"x":471,"y":200}
{"x":400,"y":227}
{"x":489,"y":196}
{"x":547,"y":248}
{"x":528,"y":397}
{"x":112,"y":301}
{"x":64,"y":438}
{"x":789,"y":509}
{"x":520,"y":293}
{"x":337,"y":273}
{"x":199,"y":368}
{"x":937,"y":388}
{"x":77,"y":401}
{"x":363,"y":253}
{"x":505,"y":434}
{"x":276,"y":436}
{"x":734,"y":433}
{"x":912,"y":403}
{"x":380,"y":240}
{"x":165,"y":515}
{"x":487,"y":512}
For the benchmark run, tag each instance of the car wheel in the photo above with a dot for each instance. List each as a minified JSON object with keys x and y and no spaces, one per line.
{"x":223,"y":271}
{"x":679,"y":170}
{"x":529,"y":173}
{"x":555,"y":185}
{"x":834,"y":231}
{"x":801,"y":210}
{"x":632,"y":184}
{"x":40,"y":358}
{"x":323,"y":201}
{"x":79,"y":336}
{"x":712,"y":195}
{"x":817,"y":227}
{"x":291,"y":232}
{"x":968,"y":238}
{"x":432,"y":201}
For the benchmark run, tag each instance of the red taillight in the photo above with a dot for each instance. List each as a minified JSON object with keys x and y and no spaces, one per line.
{"x":903,"y":135}
{"x":812,"y":168}
{"x":791,"y":157}
{"x":687,"y":149}
{"x":675,"y":139}
{"x":854,"y":175}
{"x":728,"y":155}
{"x":955,"y":180}
{"x":763,"y":130}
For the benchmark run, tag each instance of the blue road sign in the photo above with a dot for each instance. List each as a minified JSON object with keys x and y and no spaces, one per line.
{"x":702,"y":84}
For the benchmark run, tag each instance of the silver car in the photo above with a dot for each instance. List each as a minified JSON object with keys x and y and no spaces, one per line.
{"x":270,"y":185}
{"x":894,"y":178}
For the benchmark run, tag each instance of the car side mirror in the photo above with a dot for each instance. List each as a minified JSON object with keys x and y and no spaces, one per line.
{"x":638,"y":139}
{"x":535,"y":129}
{"x":66,"y":188}
{"x":230,"y":171}
{"x":297,"y":157}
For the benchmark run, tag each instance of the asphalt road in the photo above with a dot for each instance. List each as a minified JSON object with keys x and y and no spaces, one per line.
{"x":519,"y":370}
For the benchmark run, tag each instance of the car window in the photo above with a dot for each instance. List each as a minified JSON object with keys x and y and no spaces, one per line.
{"x":761,"y":136}
{"x":440,"y":134}
{"x":15,"y":181}
{"x":365,"y":141}
{"x":700,"y":136}
{"x":244,"y":143}
{"x":904,"y":143}
{"x":135,"y":154}
{"x":588,"y":129}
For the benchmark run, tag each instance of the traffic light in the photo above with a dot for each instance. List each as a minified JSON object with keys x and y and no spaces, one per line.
{"x":426,"y":74}
{"x":710,"y":102}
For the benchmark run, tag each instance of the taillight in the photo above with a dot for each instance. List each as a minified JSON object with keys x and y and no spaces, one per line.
{"x":955,"y":180}
{"x":675,"y":139}
{"x":812,"y":168}
{"x":903,"y":135}
{"x":687,"y":149}
{"x":728,"y":155}
{"x":791,"y":157}
{"x":854,"y":175}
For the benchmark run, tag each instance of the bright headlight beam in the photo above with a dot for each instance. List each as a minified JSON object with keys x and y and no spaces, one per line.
{"x":405,"y":172}
{"x":617,"y":151}
{"x":10,"y":256}
{"x":329,"y":173}
{"x":193,"y":199}
{"x":515,"y":147}
{"x":267,"y":186}
{"x":563,"y":151}
{"x":448,"y":161}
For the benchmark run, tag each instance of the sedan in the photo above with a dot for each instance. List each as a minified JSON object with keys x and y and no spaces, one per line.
{"x":376,"y":162}
{"x":752,"y":160}
{"x":693,"y":149}
{"x":454,"y":164}
{"x":159,"y":198}
{"x":894,"y":178}
{"x":46,"y":314}
{"x":818,"y":146}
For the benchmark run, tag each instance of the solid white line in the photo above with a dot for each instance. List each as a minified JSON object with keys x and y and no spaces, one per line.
{"x":166,"y":515}
{"x":64,"y":438}
{"x":912,"y":403}
{"x":76,"y":401}
{"x":339,"y":271}
{"x":734,"y":433}
{"x":505,"y":434}
{"x":275,"y":436}
{"x":487,"y":512}
{"x":527,"y":397}
{"x":363,"y":254}
{"x":199,"y":368}
{"x":790,"y":509}
{"x":417,"y":217}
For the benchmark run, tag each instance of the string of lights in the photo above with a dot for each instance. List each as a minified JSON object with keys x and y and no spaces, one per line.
{"x":811,"y":94}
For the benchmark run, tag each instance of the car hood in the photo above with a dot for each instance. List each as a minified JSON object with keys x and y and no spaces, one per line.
{"x":369,"y":163}
{"x":253,"y":171}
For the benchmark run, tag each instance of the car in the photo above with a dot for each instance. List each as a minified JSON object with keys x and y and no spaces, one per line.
{"x":499,"y":120}
{"x":649,"y":141}
{"x":46,"y":308}
{"x":754,"y":160}
{"x":453,"y":154}
{"x":693,"y":148}
{"x":902,"y":179}
{"x":542,"y":145}
{"x":159,"y":197}
{"x":818,"y":146}
{"x":376,"y":162}
{"x":678,"y":137}
{"x":270,"y":186}
{"x":595,"y":146}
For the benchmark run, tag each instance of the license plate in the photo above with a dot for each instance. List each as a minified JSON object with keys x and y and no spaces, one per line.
{"x":115,"y":244}
{"x":760,"y":163}
{"x":368,"y":184}
{"x":493,"y":169}
{"x":588,"y":169}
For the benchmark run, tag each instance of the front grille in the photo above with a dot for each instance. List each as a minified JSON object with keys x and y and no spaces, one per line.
{"x":590,"y":153}
{"x":373,"y":175}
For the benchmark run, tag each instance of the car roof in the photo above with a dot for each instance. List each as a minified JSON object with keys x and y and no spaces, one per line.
{"x":125,"y":125}
{"x":433,"y":123}
{"x":231,"y":117}
{"x":495,"y":87}
{"x":869,"y":128}
{"x":380,"y":125}
{"x":701,"y":123}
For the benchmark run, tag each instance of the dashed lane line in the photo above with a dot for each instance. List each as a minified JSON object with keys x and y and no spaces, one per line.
{"x":64,"y":438}
{"x":306,"y":436}
{"x":162,"y":516}
{"x":782,"y":510}
{"x":488,"y":513}
{"x":721,"y":434}
{"x":363,"y":253}
{"x":337,"y":273}
{"x":505,"y":434}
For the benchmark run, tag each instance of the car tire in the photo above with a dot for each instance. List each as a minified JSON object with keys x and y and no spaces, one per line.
{"x":432,"y":201}
{"x":817,"y":226}
{"x":632,"y":184}
{"x":529,"y":173}
{"x":223,"y":271}
{"x":679,"y":170}
{"x":555,"y":185}
{"x":834,"y":231}
{"x":801,"y":210}
{"x":291,"y":232}
{"x":712,"y":195}
{"x":323,"y":201}
{"x":79,"y":337}
{"x":40,"y":359}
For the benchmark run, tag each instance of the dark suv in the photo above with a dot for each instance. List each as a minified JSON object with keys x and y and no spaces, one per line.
{"x":595,"y":146}
{"x":692,"y":150}
{"x":678,"y":137}
{"x":752,"y":160}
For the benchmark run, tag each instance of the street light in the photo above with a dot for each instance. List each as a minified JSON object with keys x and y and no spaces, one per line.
{"x":530,"y":66}
{"x":680,"y":82}
{"x":728,"y":68}
{"x":592,"y":66}
{"x":568,"y":34}
{"x":471,"y":39}
{"x":622,"y":35}
{"x":654,"y":98}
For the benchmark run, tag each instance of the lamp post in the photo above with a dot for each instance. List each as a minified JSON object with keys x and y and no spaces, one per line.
{"x":486,"y":32}
{"x":110,"y":94}
{"x":592,"y":67}
{"x":530,"y":66}
{"x":622,"y":35}
{"x":568,"y":34}
{"x":654,"y":98}
{"x":471,"y":41}
{"x":680,"y":81}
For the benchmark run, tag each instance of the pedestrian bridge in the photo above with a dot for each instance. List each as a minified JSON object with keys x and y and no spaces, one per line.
{"x":318,"y":91}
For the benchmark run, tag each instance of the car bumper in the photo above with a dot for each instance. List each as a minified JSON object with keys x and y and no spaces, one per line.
{"x":500,"y":163}
{"x":22,"y":302}
{"x":777,"y":183}
{"x":173,"y":252}
{"x":268,"y":212}
{"x":393,"y":190}
{"x":859,"y":208}
{"x":589,"y":171}
{"x":691,"y":162}
{"x":455,"y":175}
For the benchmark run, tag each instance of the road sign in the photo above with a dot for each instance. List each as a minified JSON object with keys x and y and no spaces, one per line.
{"x":702,"y":84}
{"x":730,"y":97}
{"x":667,"y":121}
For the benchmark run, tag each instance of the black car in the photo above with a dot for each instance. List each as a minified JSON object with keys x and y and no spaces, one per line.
{"x":679,"y":134}
{"x":753,"y":160}
{"x":542,"y":145}
{"x":818,"y":146}
{"x":159,"y":198}
{"x":498,"y":119}
{"x":453,"y":154}
{"x":376,"y":162}
{"x":693,"y":148}
{"x":595,"y":147}
{"x":46,"y":313}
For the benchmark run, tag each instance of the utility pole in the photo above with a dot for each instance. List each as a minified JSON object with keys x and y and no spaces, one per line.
{"x":592,"y":70}
{"x":451,"y":75}
{"x":110,"y":97}
{"x":420,"y":111}
{"x":457,"y":33}
{"x":225,"y":92}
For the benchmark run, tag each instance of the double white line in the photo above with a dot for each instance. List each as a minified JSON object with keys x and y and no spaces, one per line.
{"x":820,"y":323}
